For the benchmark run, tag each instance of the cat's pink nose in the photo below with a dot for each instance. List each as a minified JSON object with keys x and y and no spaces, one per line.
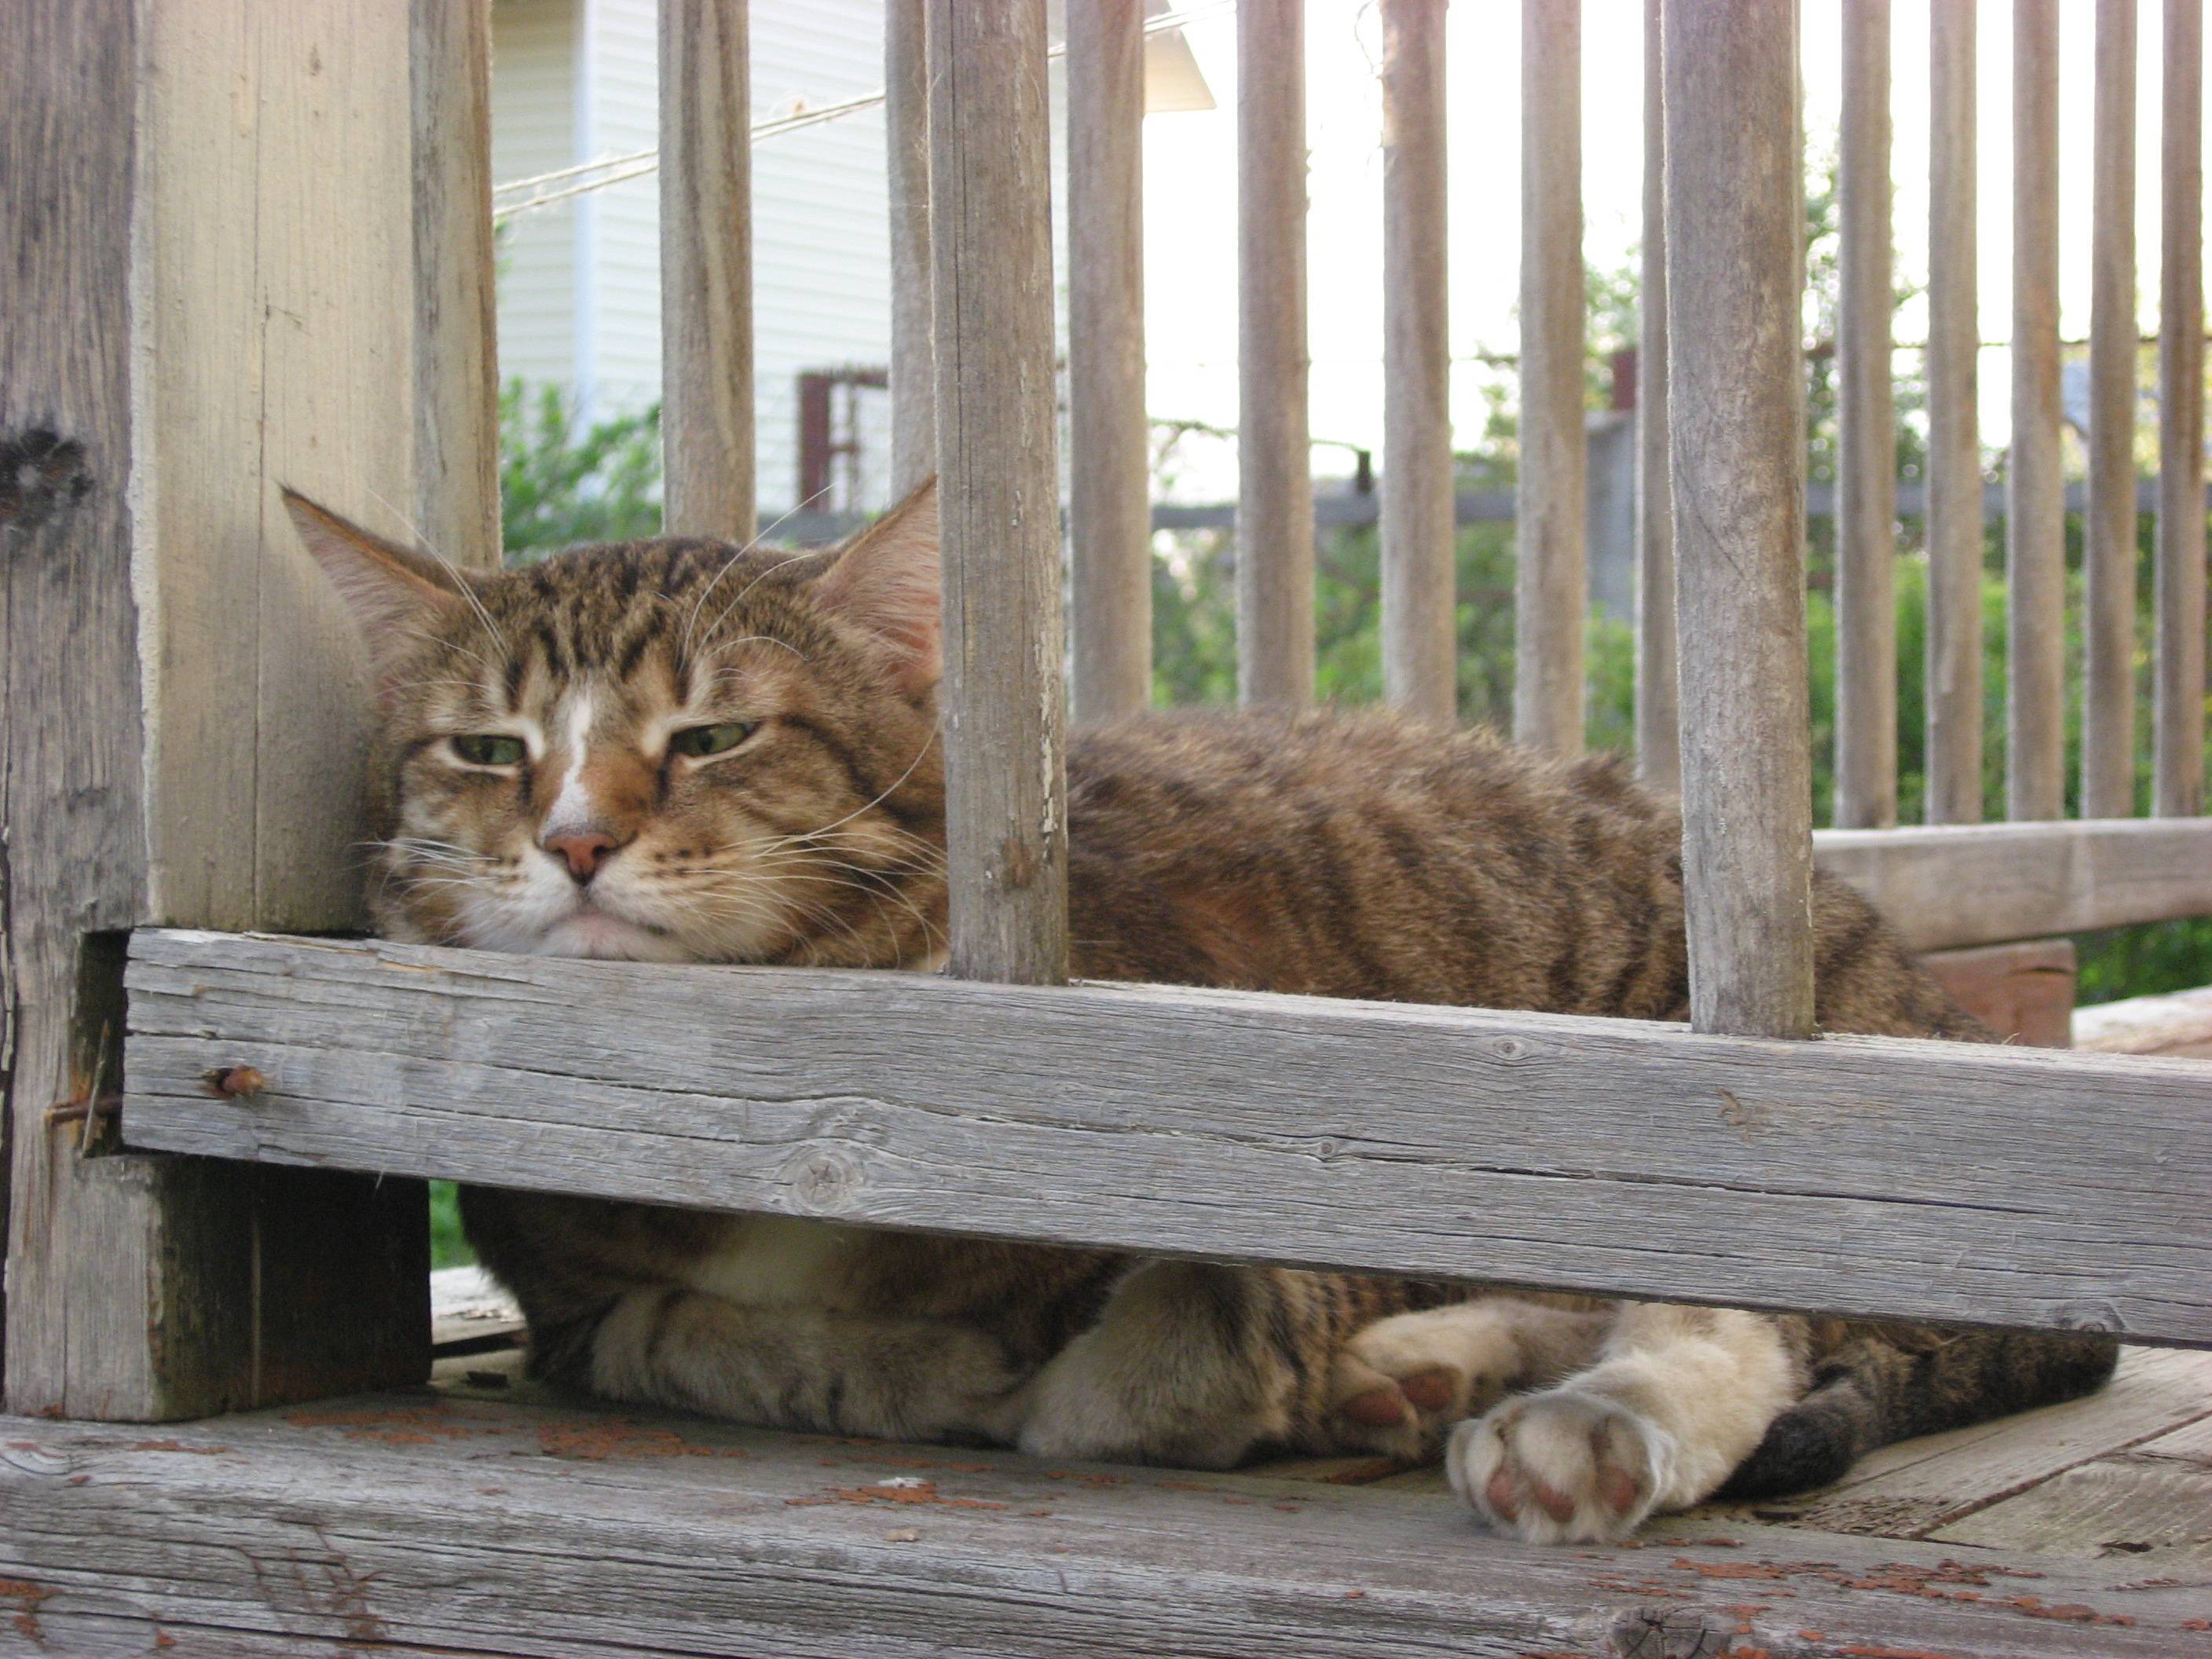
{"x":585,"y":851}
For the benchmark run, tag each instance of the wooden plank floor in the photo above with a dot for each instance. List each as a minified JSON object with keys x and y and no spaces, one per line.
{"x":484,"y":1515}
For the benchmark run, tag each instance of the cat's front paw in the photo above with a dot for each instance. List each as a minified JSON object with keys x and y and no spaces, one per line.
{"x":1563,"y":1467}
{"x":1399,"y":1385}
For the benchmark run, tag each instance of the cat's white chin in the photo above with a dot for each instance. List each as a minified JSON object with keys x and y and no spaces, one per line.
{"x":604,"y":938}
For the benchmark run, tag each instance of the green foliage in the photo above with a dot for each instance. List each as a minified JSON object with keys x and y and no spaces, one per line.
{"x":448,"y":1249}
{"x":561,"y":484}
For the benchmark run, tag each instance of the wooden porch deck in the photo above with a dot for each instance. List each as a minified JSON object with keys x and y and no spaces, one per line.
{"x":422,"y":1521}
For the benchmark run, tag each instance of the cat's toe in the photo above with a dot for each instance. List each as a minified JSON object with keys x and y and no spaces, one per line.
{"x":1399,"y":1385}
{"x":1559,"y":1468}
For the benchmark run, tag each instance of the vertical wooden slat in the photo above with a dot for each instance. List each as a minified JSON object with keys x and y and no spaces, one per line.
{"x":1658,"y":702}
{"x":1954,"y":465}
{"x":456,"y":355}
{"x":1419,"y":639}
{"x":1550,"y":587}
{"x":913,"y":354}
{"x":175,"y":680}
{"x":1274,"y":503}
{"x":1866,"y":484}
{"x":706,"y":269}
{"x":2179,"y":779}
{"x":2035,"y":502}
{"x":997,"y":422}
{"x":2108,"y":710}
{"x":1735,"y":216}
{"x":1110,"y":506}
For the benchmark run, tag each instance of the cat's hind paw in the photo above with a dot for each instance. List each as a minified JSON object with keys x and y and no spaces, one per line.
{"x":1563,"y":1466}
{"x":1397,"y":1386}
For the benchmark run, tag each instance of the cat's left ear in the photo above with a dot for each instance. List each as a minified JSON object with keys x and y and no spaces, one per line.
{"x":395,"y":594}
{"x":885,"y":578}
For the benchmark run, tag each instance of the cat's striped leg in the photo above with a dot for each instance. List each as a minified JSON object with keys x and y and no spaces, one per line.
{"x":802,"y":1368}
{"x":1399,"y":1385}
{"x":1189,"y":1362}
{"x":1679,"y":1397}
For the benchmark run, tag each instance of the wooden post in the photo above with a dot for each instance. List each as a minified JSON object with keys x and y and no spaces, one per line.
{"x":2179,"y":707}
{"x":1865,"y":480}
{"x":1550,"y":587}
{"x":1274,"y":502}
{"x":2035,"y":502}
{"x":997,"y":420}
{"x":1658,"y":699}
{"x":914,"y":353}
{"x":2108,"y":708}
{"x":180,"y":708}
{"x":1419,"y":635}
{"x":706,"y":269}
{"x":1109,"y":507}
{"x":1734,"y":225}
{"x":1954,"y":448}
{"x":456,"y":355}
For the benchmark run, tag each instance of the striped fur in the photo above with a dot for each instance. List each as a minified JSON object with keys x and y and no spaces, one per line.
{"x":1331,"y":853}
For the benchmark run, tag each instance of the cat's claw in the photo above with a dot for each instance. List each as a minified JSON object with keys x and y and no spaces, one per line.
{"x":1560,"y":1467}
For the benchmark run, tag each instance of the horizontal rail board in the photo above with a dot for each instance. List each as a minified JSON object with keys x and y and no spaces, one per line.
{"x":1981,"y":884}
{"x":1854,"y":1175}
{"x":406,"y":1524}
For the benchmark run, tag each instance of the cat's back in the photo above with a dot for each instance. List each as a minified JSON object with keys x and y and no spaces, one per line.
{"x":1363,"y":854}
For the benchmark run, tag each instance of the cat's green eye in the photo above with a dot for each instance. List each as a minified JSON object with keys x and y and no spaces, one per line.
{"x":489,"y":748}
{"x":701,"y":741}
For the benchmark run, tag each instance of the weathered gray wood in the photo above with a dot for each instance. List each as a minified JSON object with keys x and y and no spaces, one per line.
{"x":2179,"y":705}
{"x":998,"y":437}
{"x":1274,"y":502}
{"x":2176,"y":1023}
{"x":1984,"y":884}
{"x":470,"y":1525}
{"x":1948,"y":1180}
{"x":914,"y":351}
{"x":472,"y":1315}
{"x":1914,"y":1486}
{"x":1421,"y":637}
{"x":2023,"y":991}
{"x":1733,"y":196}
{"x":706,"y":269}
{"x":2108,"y":667}
{"x":1954,"y":448}
{"x":1658,"y":698}
{"x":176,"y":339}
{"x":1109,"y":502}
{"x":1552,"y":582}
{"x":1866,"y":470}
{"x":2150,"y":1504}
{"x":2035,"y":512}
{"x":456,"y":354}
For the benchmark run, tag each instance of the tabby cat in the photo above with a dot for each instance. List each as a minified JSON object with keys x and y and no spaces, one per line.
{"x":684,"y":750}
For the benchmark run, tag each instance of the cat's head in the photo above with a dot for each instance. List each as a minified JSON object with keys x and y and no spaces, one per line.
{"x":664,"y":750}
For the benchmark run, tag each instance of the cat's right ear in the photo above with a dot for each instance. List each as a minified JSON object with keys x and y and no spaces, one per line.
{"x":395,"y":594}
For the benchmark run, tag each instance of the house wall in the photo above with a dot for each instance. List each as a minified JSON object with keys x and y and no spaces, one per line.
{"x":580,"y":286}
{"x":534,"y":107}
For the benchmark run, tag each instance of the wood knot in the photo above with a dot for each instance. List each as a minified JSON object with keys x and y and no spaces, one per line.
{"x":1016,"y":865}
{"x":823,"y":1182}
{"x":235,"y":1082}
{"x":41,"y":472}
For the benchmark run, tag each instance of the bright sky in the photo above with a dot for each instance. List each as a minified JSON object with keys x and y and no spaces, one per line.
{"x":1190,"y":186}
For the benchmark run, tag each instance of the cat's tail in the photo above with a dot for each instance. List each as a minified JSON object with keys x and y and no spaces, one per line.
{"x":1881,"y":1385}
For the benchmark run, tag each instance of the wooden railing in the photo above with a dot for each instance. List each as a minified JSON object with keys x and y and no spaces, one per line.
{"x":1976,"y":1185}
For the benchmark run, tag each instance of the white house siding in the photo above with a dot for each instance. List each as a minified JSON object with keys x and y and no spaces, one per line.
{"x":534,"y":98}
{"x":580,"y":288}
